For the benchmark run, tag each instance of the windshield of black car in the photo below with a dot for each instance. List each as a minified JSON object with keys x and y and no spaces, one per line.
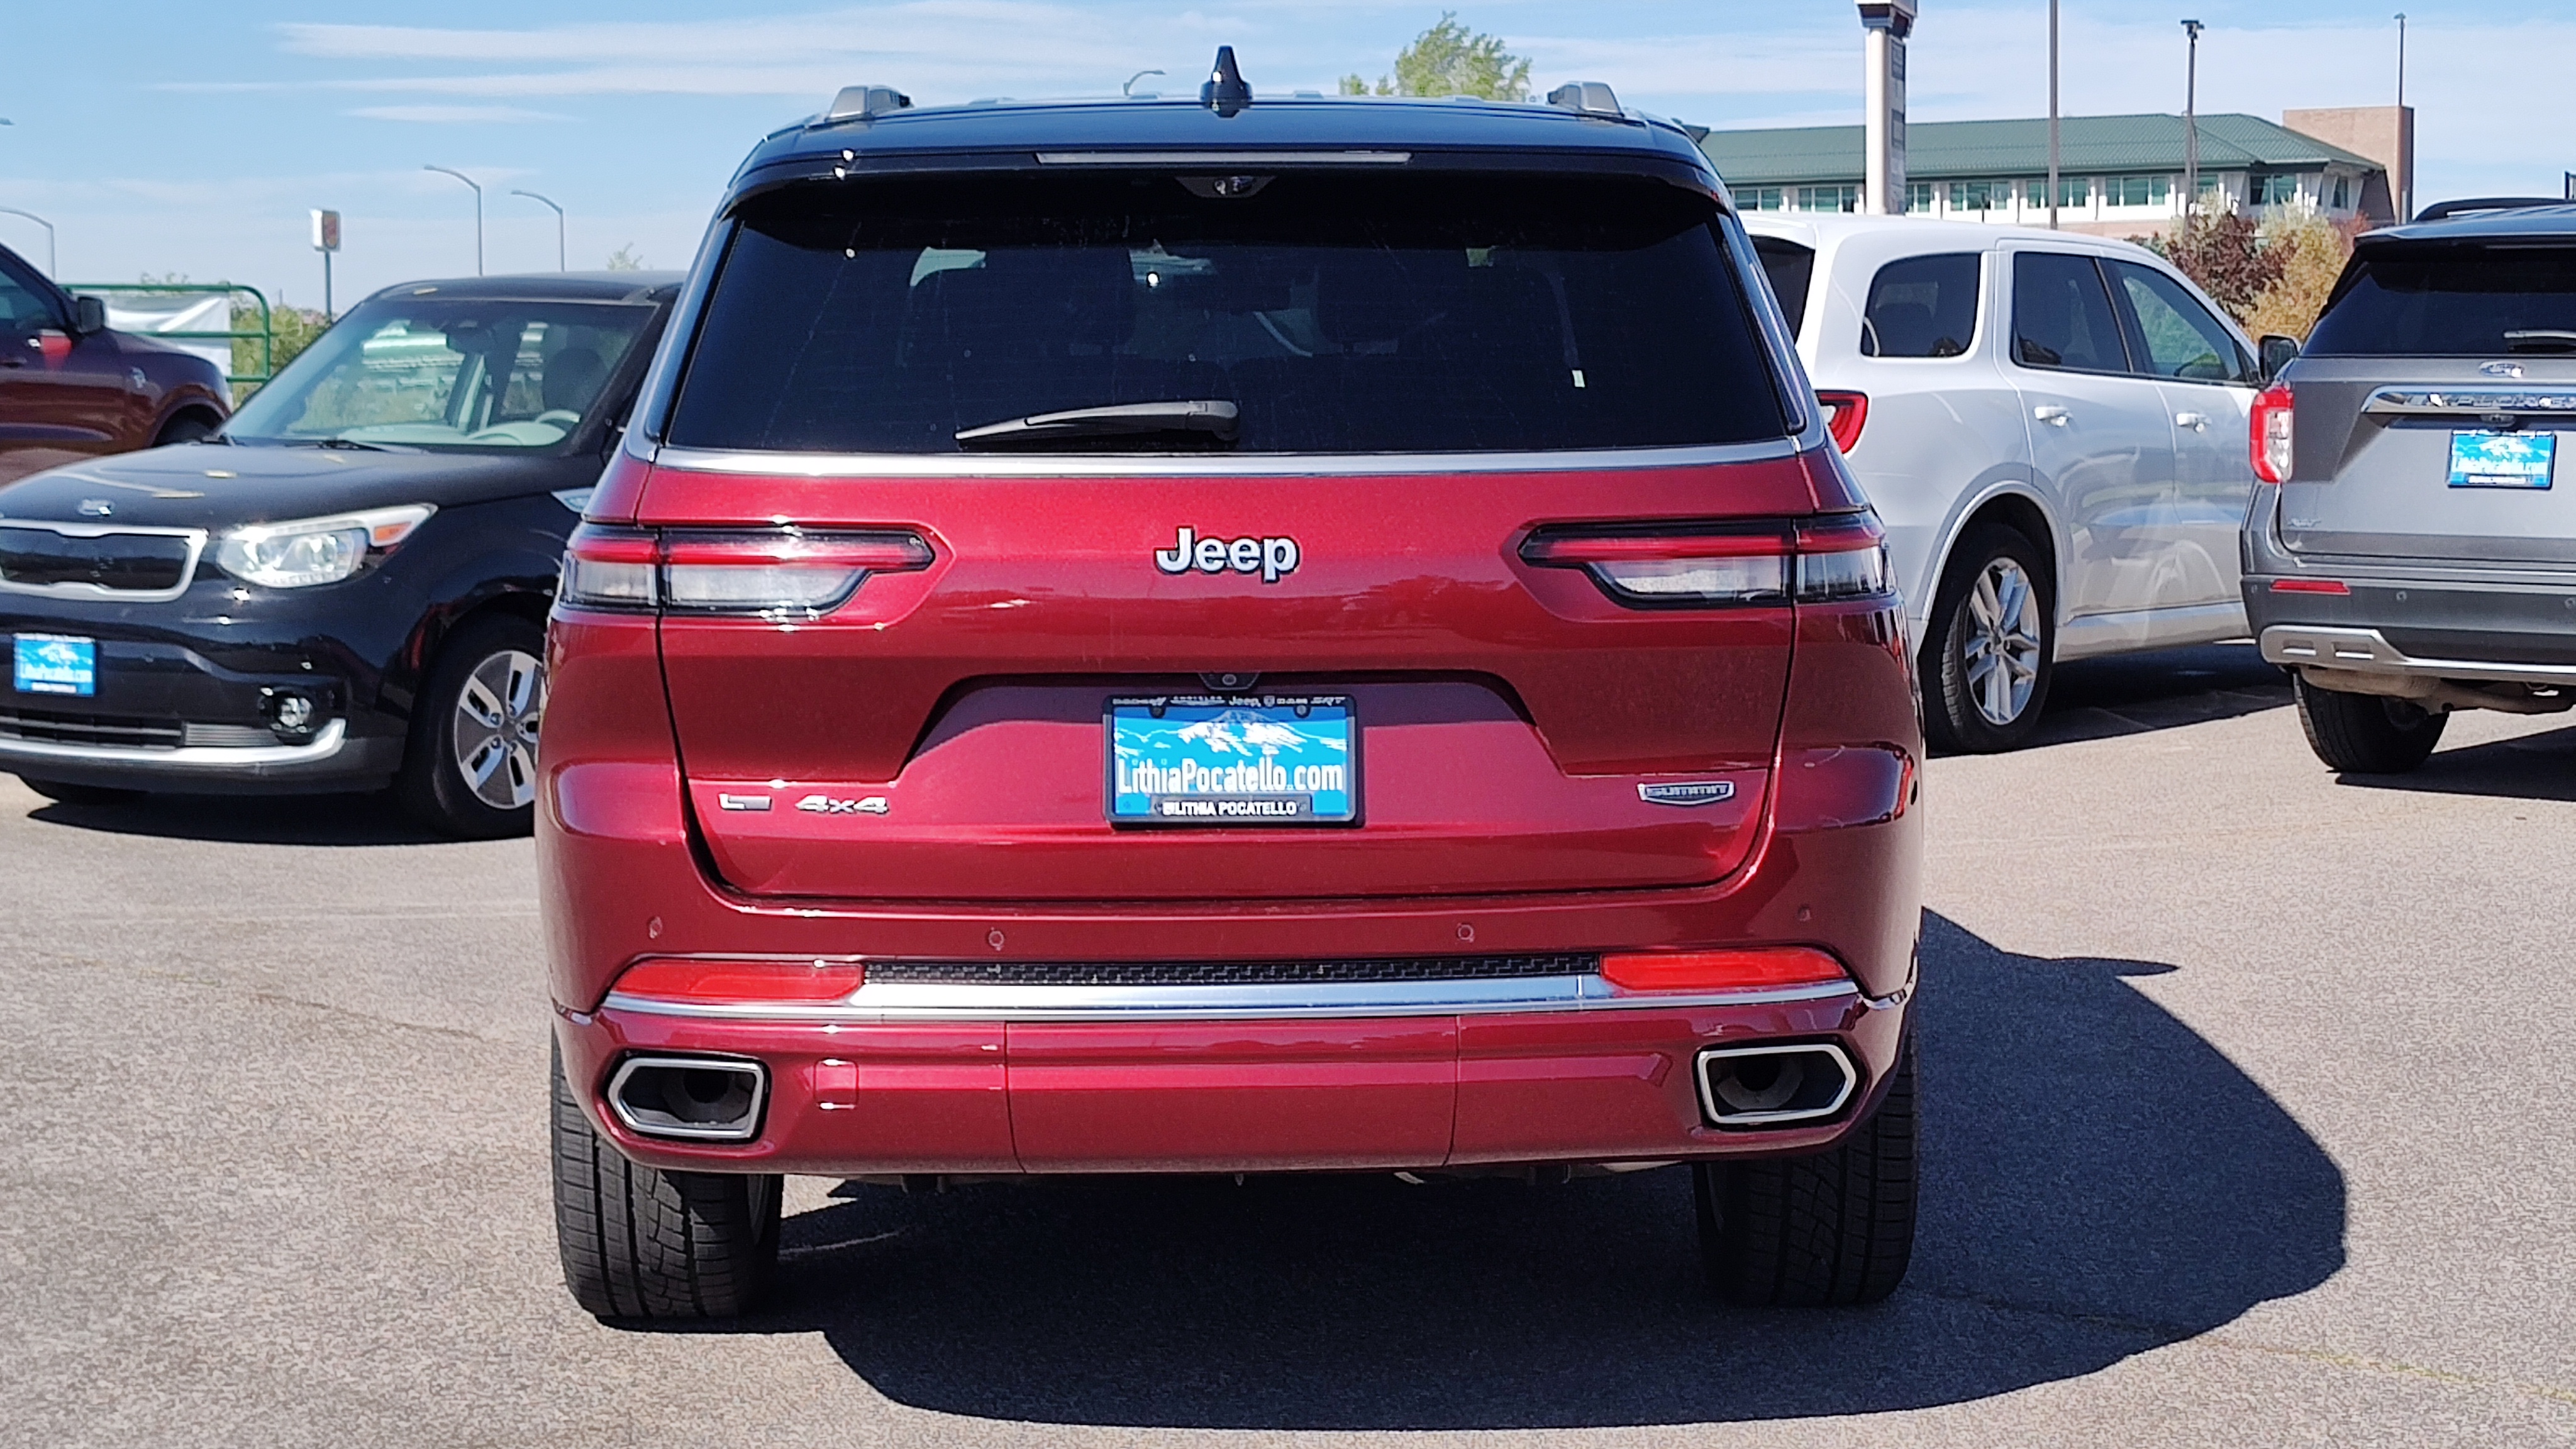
{"x":2451,"y":299}
{"x":423,"y":372}
{"x":1339,"y":313}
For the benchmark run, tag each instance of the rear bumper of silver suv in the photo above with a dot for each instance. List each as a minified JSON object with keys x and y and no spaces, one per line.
{"x":2443,"y":643}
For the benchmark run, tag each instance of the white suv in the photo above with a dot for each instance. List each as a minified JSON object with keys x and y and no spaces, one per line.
{"x":2052,"y":428}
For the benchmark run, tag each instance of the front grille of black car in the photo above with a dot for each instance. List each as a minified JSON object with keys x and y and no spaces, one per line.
{"x":48,"y":727}
{"x":125,"y":562}
{"x":1228,"y":973}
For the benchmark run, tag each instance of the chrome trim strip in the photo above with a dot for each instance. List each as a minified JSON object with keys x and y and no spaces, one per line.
{"x":1303,"y":1001}
{"x":1166,"y":465}
{"x":1708,"y":1096}
{"x":2446,"y":401}
{"x":324,"y":744}
{"x":1224,"y":158}
{"x":2368,"y":651}
{"x":750,"y":1128}
{"x":196,"y":538}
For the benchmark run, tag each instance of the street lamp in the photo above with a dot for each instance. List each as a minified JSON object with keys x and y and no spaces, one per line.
{"x":2191,"y":124}
{"x":559,"y":225}
{"x":2406,"y":183}
{"x":51,"y":270}
{"x":1129,"y":89}
{"x":478,"y":210}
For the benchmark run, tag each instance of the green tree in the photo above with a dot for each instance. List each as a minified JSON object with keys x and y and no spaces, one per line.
{"x":1451,"y":60}
{"x":626,"y":259}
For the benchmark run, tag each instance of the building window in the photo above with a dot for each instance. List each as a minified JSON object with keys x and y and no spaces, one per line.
{"x":1980,"y":196}
{"x":1918,"y":196}
{"x":2074,"y":193}
{"x":1829,"y":198}
{"x":2280,"y":190}
{"x":1761,"y":198}
{"x":2137,"y":191}
{"x":2343,"y":193}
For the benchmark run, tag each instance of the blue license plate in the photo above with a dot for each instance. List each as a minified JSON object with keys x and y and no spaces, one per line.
{"x":2502,"y":460}
{"x":54,"y":664}
{"x":1272,"y":760}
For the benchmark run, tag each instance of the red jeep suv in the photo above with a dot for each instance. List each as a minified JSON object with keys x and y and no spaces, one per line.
{"x":1244,"y":636}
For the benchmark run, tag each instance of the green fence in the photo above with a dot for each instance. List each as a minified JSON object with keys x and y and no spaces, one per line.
{"x":265,"y":334}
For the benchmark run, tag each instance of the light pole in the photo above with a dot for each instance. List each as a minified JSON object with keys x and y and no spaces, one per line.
{"x":51,"y":270}
{"x":559,"y":225}
{"x":1129,"y":89}
{"x":2191,"y":124}
{"x":2406,"y":183}
{"x":478,"y":209}
{"x":2052,"y":115}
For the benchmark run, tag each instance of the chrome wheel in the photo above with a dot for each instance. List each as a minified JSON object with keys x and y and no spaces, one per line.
{"x":2000,"y":645}
{"x":497,"y":715}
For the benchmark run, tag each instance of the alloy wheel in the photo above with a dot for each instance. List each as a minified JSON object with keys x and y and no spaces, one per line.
{"x":2000,"y":650}
{"x":497,"y":718}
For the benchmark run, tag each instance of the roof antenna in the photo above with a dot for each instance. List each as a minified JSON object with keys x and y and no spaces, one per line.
{"x":1225,"y":92}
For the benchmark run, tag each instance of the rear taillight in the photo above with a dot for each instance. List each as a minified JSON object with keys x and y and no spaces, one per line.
{"x":701,"y":982}
{"x":1706,"y":565}
{"x":2269,"y":435}
{"x":1846,"y":413}
{"x":769,"y":573}
{"x":1731,"y":970}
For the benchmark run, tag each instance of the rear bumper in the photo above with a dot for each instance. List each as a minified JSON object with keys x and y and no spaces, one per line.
{"x":968,"y":1086}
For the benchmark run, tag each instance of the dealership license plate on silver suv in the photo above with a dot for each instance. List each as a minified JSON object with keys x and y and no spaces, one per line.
{"x":2503,"y":460}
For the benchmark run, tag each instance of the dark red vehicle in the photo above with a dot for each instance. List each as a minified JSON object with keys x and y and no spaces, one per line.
{"x":1280,"y":635}
{"x":71,"y":388}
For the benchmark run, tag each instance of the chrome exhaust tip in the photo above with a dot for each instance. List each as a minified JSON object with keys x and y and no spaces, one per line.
{"x":1774,"y":1086}
{"x":699,"y":1099}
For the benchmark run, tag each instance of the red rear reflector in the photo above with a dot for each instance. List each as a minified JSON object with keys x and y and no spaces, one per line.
{"x":2309,"y":586}
{"x":1846,"y":413}
{"x":1734,"y":970}
{"x":673,"y":978}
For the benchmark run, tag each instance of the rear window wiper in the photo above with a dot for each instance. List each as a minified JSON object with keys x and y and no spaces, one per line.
{"x":1211,"y":419}
{"x":2540,"y":339}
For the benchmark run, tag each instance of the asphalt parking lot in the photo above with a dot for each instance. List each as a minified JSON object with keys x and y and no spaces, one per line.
{"x":2246,"y":1089}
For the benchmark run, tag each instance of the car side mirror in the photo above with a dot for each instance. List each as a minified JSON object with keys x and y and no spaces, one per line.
{"x":2277,"y":352}
{"x":89,"y":314}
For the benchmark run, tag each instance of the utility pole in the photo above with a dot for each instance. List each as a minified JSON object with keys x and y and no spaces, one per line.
{"x":2191,"y":124}
{"x":559,"y":225}
{"x":1884,"y":26}
{"x":2406,"y":133}
{"x":2052,"y":115}
{"x":478,"y":209}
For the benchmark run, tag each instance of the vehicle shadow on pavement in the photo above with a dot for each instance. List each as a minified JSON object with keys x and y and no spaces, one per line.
{"x":249,"y":819}
{"x":2098,"y":1181}
{"x":2527,"y":767}
{"x":2129,"y":694}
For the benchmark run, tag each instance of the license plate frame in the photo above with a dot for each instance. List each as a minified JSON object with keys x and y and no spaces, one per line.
{"x":64,"y":666}
{"x":2525,"y":461}
{"x":1143,"y":730}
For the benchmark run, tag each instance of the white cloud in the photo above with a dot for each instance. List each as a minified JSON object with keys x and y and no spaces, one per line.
{"x":455,"y":115}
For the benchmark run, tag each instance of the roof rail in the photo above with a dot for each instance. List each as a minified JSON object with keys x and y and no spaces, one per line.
{"x":2467,"y":206}
{"x":856,"y":103}
{"x":1590,"y":98}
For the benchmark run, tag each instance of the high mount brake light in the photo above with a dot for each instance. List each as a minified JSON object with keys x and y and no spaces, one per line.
{"x":1731,"y":970}
{"x":1699,"y":566}
{"x":2268,"y":434}
{"x":678,"y":978}
{"x":1846,"y":413}
{"x":769,"y":573}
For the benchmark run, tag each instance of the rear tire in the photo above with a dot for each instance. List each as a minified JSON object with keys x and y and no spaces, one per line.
{"x":2366,"y":734}
{"x":639,"y":1243}
{"x":71,"y":794}
{"x":470,"y":766}
{"x":1831,"y":1229}
{"x":1987,"y":647}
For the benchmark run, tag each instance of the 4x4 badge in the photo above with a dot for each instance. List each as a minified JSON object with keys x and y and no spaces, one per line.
{"x":1695,"y":792}
{"x":1272,"y":558}
{"x":826,"y":805}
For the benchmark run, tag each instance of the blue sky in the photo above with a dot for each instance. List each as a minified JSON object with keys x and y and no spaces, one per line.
{"x":193,"y":138}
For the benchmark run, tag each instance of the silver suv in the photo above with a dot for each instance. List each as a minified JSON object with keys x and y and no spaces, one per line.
{"x":2416,"y":556}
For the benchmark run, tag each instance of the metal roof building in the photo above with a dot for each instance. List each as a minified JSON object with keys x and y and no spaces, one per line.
{"x":2118,"y":175}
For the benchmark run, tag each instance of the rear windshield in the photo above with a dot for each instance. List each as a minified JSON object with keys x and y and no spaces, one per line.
{"x":2450,"y":299}
{"x":1325,"y":313}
